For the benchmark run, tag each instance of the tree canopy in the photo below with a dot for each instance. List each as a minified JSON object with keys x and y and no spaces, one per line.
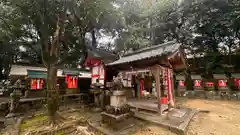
{"x":57,"y":32}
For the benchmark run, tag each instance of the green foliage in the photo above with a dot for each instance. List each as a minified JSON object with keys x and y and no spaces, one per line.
{"x":9,"y":34}
{"x":209,"y":28}
{"x":206,"y":28}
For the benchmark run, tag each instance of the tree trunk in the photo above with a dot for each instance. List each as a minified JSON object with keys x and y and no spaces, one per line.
{"x":188,"y":80}
{"x":94,"y":40}
{"x":52,"y":94}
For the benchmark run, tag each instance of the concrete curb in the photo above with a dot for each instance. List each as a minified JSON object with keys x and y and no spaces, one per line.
{"x":183,"y":127}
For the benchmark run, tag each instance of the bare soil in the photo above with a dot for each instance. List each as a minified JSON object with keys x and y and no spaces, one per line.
{"x":153,"y":130}
{"x":223,"y":118}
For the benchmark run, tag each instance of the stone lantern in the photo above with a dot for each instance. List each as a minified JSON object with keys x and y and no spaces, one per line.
{"x":118,"y":109}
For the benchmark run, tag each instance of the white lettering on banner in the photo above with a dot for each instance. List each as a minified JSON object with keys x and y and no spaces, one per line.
{"x":73,"y":81}
{"x":102,"y":72}
{"x":181,"y":83}
{"x":197,"y":83}
{"x":129,"y":80}
{"x":98,"y":72}
{"x":38,"y":84}
{"x":222,"y":83}
{"x":95,"y":70}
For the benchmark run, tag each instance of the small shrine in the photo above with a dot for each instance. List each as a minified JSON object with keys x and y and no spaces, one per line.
{"x":147,"y":75}
{"x":223,"y":89}
{"x":236,"y":78}
{"x":181,"y":88}
{"x":150,"y":70}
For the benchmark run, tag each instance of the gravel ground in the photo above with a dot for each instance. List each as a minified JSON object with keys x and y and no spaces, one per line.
{"x":223,"y":118}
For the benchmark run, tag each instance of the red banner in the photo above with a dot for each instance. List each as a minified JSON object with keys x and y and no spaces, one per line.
{"x":167,"y":76}
{"x":98,"y":73}
{"x":197,"y":83}
{"x":209,"y":84}
{"x":36,"y":84}
{"x":71,"y":81}
{"x":181,"y":83}
{"x":222,"y":83}
{"x":140,"y":87}
{"x":237,"y":82}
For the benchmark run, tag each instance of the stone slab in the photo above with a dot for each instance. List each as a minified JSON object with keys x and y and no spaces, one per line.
{"x":175,"y":124}
{"x":178,"y":113}
{"x":150,"y":105}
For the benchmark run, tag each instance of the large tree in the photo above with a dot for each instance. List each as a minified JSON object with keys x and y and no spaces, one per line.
{"x":53,"y":29}
{"x":56,"y":30}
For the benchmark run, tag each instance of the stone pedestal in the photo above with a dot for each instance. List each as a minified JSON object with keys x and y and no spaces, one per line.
{"x":118,"y":99}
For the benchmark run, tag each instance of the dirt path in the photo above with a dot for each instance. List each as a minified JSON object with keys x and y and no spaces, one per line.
{"x":223,"y":118}
{"x":154,"y":130}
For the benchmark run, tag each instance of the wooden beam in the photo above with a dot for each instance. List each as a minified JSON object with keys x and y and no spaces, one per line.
{"x":164,"y":61}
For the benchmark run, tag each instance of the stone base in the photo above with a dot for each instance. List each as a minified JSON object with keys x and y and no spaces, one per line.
{"x":113,"y":119}
{"x":190,"y":94}
{"x":181,"y":93}
{"x":34,"y":93}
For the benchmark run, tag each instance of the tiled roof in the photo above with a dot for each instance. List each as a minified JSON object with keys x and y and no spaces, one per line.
{"x":236,"y":75}
{"x":101,"y":54}
{"x":149,"y":52}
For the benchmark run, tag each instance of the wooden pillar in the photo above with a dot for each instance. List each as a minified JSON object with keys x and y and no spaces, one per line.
{"x":172,"y":96}
{"x":156,"y":72}
{"x":138,"y":87}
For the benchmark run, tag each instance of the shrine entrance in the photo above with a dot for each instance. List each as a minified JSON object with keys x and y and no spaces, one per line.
{"x":152,"y":69}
